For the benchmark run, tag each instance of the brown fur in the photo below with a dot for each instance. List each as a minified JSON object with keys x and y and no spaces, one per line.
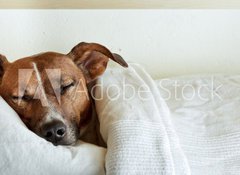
{"x":76,"y":109}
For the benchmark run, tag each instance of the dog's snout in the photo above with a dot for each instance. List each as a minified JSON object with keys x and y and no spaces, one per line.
{"x":54,"y":131}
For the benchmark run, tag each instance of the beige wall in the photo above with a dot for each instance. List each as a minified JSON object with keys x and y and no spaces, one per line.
{"x":166,"y":42}
{"x":73,"y":4}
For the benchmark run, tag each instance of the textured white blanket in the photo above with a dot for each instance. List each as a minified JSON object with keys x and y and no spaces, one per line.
{"x":196,"y":132}
{"x":205,"y":111}
{"x":200,"y":135}
{"x":137,"y":126}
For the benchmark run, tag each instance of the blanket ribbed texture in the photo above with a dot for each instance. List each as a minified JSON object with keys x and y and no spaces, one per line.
{"x":139,"y":133}
{"x":134,"y":146}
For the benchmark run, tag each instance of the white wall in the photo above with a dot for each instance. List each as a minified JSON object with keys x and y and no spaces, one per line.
{"x":166,"y":42}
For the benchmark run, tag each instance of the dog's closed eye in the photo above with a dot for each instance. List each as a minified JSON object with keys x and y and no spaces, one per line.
{"x":67,"y":86}
{"x":25,"y":98}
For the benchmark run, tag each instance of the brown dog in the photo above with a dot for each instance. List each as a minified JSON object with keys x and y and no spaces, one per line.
{"x":49,"y":91}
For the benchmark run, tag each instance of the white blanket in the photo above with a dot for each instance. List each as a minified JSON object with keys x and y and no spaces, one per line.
{"x":205,"y":111}
{"x":200,"y":135}
{"x":137,"y":129}
{"x":171,"y":129}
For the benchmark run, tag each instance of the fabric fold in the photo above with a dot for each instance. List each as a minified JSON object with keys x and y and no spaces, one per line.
{"x":139,"y":134}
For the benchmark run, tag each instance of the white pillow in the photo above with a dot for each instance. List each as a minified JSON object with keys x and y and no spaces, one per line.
{"x":23,"y":152}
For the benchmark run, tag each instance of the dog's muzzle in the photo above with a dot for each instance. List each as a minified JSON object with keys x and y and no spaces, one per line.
{"x":54,"y":131}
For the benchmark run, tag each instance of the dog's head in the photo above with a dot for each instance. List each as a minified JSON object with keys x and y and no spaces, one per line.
{"x":49,"y":90}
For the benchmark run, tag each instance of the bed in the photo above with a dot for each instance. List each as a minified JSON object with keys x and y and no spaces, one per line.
{"x":180,"y":125}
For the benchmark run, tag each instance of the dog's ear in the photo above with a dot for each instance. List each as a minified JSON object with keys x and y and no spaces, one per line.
{"x":92,"y":58}
{"x":3,"y":62}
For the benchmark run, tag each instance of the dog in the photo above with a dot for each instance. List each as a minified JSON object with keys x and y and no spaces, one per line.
{"x":50,"y":92}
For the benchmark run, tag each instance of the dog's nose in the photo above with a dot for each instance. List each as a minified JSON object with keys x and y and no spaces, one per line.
{"x":54,"y":131}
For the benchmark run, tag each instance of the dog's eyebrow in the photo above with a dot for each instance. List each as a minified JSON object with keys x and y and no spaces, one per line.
{"x":39,"y":79}
{"x":66,"y":78}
